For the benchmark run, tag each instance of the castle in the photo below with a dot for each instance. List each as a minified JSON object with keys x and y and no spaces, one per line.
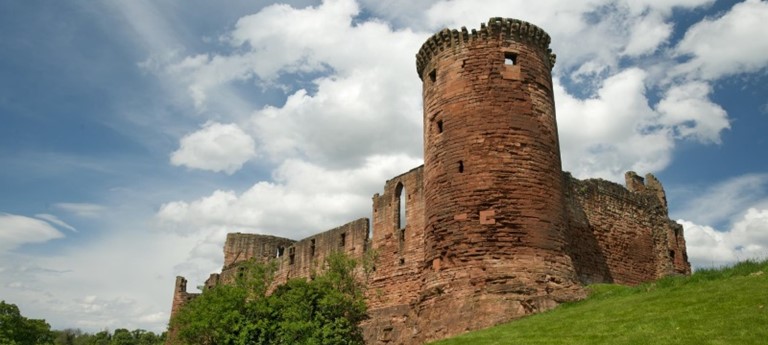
{"x":490,"y":228}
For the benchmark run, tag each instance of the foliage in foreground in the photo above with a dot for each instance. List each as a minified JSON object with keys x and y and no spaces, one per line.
{"x":16,"y":329}
{"x":322,"y":311}
{"x":713,"y":306}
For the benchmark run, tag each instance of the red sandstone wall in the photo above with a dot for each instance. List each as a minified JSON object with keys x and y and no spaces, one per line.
{"x":241,"y":247}
{"x":307,"y":256}
{"x":180,"y":298}
{"x":622,"y":235}
{"x":494,"y":238}
{"x":395,"y":284}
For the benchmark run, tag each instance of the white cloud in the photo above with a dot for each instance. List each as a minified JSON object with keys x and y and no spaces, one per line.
{"x":124,"y":279}
{"x":215,"y":147}
{"x":81,"y":209}
{"x":688,"y":110}
{"x":367,"y":100}
{"x":16,"y":230}
{"x":613,"y":132}
{"x":55,"y":220}
{"x":726,"y":201}
{"x":647,"y":34}
{"x":733,"y":43}
{"x":727,"y":222}
{"x":746,"y":239}
{"x":304,"y":199}
{"x":346,"y":121}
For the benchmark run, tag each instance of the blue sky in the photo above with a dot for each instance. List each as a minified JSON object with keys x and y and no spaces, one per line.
{"x":135,"y":134}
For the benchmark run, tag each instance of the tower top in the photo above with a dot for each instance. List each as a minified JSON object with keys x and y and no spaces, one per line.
{"x":497,"y":28}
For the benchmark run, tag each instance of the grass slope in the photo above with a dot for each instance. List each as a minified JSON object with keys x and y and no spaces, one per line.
{"x":713,"y":306}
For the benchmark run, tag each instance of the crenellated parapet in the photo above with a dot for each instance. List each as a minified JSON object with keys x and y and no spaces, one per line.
{"x":505,"y":28}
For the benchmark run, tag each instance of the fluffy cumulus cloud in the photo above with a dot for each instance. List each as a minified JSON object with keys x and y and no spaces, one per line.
{"x":303,"y":199}
{"x":745,"y":239}
{"x":718,"y":230}
{"x":688,"y":110}
{"x":614,"y":131}
{"x":215,"y":147}
{"x":366,"y":101}
{"x":16,"y":230}
{"x":730,"y":44}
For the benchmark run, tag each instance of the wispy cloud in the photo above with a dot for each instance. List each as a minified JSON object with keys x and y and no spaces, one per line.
{"x":81,"y":209}
{"x":55,"y":220}
{"x":16,"y":230}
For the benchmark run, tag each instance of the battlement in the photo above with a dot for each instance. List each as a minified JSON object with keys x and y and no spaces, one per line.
{"x":505,"y":28}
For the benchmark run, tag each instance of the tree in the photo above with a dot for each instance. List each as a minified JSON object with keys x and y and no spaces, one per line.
{"x":324,"y":311}
{"x":119,"y":336}
{"x":122,"y":336}
{"x":16,"y":329}
{"x":101,"y":338}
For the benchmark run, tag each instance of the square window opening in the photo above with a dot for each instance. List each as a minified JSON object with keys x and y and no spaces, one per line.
{"x":510,"y":59}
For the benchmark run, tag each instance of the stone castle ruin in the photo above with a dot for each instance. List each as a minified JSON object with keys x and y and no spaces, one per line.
{"x":490,"y":228}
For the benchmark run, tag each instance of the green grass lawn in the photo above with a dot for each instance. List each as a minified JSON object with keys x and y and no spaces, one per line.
{"x":713,"y":306}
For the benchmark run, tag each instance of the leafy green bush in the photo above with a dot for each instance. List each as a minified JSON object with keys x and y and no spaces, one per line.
{"x":323,"y":311}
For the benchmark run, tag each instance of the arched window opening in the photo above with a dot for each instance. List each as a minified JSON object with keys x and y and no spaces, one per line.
{"x":312,"y":248}
{"x":400,"y":214}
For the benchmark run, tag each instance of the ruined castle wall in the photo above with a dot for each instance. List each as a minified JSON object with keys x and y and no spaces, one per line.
{"x":621,"y":235}
{"x":180,"y":295}
{"x":240,"y":247}
{"x":398,"y":248}
{"x":306,"y":256}
{"x":180,"y":298}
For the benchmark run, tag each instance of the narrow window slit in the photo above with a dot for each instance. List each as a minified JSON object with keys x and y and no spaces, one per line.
{"x":461,"y":166}
{"x":433,"y":75}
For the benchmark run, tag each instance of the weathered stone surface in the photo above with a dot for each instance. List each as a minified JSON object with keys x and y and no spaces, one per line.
{"x":489,"y":229}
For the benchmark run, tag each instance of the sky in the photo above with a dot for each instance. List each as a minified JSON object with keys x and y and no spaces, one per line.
{"x":135,"y":134}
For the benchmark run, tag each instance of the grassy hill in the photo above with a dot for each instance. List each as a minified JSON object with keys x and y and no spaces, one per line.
{"x":712,"y":306}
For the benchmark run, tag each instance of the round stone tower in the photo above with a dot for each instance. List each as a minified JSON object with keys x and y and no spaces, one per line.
{"x":493,"y":182}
